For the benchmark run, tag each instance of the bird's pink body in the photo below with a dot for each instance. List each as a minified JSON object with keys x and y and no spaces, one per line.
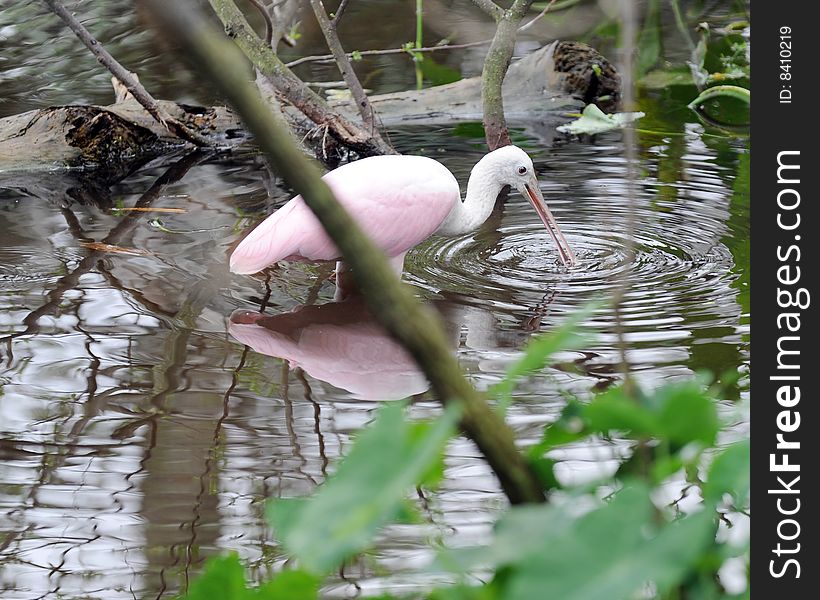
{"x":398,"y":201}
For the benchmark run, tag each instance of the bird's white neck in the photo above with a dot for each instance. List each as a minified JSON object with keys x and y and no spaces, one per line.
{"x":483,"y":188}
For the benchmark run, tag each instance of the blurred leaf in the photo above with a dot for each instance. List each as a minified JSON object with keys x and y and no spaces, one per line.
{"x":649,"y":41}
{"x":593,"y":120}
{"x":687,"y":414}
{"x":609,"y":553}
{"x":367,"y":491}
{"x":729,"y":474}
{"x":438,"y":74}
{"x":616,"y":410}
{"x":678,"y":413}
{"x":289,"y":585}
{"x":698,"y":57}
{"x":224,"y":578}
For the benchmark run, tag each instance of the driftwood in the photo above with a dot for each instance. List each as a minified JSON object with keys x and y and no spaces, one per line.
{"x":106,"y":143}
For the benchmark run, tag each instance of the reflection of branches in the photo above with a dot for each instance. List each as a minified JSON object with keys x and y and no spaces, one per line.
{"x":115,"y":236}
{"x":317,"y":419}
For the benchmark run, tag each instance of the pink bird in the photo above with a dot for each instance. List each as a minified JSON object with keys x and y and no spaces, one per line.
{"x":338,"y":343}
{"x":398,"y":201}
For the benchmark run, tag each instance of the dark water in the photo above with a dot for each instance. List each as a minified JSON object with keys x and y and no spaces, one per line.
{"x":140,"y":436}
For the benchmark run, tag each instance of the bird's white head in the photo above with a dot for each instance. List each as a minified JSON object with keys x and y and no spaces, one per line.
{"x":510,"y":165}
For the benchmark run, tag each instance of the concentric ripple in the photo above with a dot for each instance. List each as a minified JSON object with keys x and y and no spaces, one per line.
{"x":680,"y":275}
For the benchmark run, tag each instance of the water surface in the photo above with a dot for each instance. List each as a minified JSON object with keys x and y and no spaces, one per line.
{"x":139,"y":436}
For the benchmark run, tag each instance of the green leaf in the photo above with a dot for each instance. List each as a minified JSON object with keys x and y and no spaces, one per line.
{"x":687,"y":414}
{"x":606,"y":555}
{"x":616,"y":410}
{"x":289,"y":585}
{"x":729,"y":474}
{"x":722,"y":91}
{"x":224,"y":578}
{"x":438,"y":74}
{"x":593,"y":120}
{"x":367,"y":491}
{"x":649,"y":41}
{"x":609,"y":553}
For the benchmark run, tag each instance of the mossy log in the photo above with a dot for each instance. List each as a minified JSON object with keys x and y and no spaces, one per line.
{"x":113,"y":141}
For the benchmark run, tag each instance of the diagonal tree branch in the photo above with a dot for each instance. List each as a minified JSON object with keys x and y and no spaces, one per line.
{"x":127,"y":78}
{"x":345,"y":67}
{"x":291,"y":87}
{"x":414,"y":326}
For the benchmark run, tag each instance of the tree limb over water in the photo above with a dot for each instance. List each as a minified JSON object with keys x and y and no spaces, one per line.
{"x":394,"y":306}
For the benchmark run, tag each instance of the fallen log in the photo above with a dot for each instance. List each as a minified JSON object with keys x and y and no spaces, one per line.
{"x":106,"y":143}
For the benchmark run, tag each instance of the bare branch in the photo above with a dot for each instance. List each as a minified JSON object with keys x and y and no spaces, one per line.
{"x":491,"y":8}
{"x":537,"y":17}
{"x":495,"y":68}
{"x":337,"y":16}
{"x":437,"y":48}
{"x":330,"y":57}
{"x":345,"y":67}
{"x":291,"y":87}
{"x":127,"y":78}
{"x":395,"y":307}
{"x":268,"y":22}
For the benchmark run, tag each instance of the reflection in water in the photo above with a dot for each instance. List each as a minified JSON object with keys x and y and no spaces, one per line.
{"x":338,"y":343}
{"x":138,"y":437}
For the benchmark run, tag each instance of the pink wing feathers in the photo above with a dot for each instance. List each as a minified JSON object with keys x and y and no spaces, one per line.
{"x":398,"y":201}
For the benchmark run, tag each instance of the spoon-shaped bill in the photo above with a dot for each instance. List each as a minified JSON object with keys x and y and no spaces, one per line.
{"x":537,"y":199}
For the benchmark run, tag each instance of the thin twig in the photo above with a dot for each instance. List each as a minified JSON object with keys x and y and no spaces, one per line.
{"x":387,"y":51}
{"x":408,"y":321}
{"x":628,"y":34}
{"x":346,"y":68}
{"x":127,"y":78}
{"x":539,"y":16}
{"x":337,"y":16}
{"x":268,"y":22}
{"x":330,"y":57}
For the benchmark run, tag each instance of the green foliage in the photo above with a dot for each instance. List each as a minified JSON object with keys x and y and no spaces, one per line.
{"x":366,"y":493}
{"x":224,"y":578}
{"x":649,"y":41}
{"x":610,"y":540}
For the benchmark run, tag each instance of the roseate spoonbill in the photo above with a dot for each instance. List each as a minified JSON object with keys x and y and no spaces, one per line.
{"x":339,"y":343}
{"x":399,"y":201}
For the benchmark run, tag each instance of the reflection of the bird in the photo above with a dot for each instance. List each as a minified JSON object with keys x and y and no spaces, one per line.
{"x":341,"y":344}
{"x":338,"y":343}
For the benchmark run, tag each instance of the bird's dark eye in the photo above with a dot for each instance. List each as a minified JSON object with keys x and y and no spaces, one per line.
{"x":522,"y":170}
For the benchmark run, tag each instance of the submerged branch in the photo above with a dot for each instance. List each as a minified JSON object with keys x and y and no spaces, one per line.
{"x":128,"y":79}
{"x":418,"y":330}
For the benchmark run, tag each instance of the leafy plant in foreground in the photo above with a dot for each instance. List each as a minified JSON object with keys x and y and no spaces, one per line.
{"x":610,"y":539}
